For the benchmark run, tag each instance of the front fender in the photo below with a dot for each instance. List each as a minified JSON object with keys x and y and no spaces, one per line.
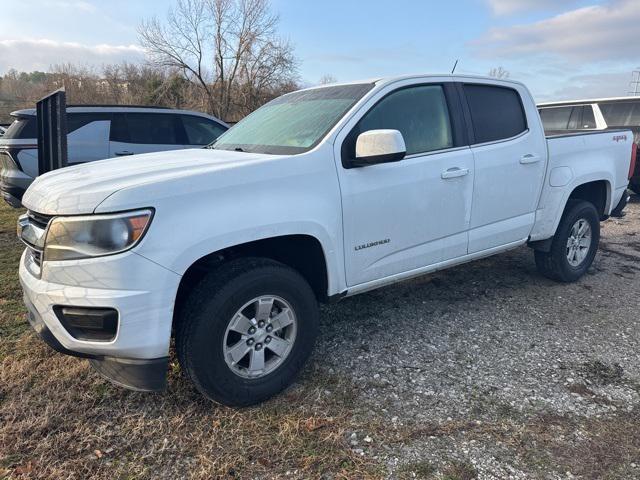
{"x":200,"y":215}
{"x":206,"y":246}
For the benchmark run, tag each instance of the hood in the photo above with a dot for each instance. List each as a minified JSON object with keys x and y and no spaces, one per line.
{"x":80,"y":189}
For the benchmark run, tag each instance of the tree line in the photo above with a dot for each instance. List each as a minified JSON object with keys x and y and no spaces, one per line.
{"x":223,"y":57}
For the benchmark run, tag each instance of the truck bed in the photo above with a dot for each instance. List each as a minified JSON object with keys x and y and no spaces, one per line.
{"x":577,"y":158}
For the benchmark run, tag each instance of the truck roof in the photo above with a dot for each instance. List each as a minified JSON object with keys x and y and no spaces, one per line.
{"x":389,"y":80}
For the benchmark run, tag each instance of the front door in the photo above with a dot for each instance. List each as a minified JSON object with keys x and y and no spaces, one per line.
{"x":413,"y":213}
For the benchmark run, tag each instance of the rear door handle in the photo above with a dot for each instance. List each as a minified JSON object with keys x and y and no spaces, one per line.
{"x":529,"y":158}
{"x":455,"y":172}
{"x":124,"y":153}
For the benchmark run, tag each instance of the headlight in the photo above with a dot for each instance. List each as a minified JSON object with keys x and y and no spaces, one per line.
{"x":72,"y":238}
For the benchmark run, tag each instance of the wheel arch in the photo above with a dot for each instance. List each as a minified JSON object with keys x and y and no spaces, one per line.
{"x":597,"y":192}
{"x":304,"y":253}
{"x":596,"y":189}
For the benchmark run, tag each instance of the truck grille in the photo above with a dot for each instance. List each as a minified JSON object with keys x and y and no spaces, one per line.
{"x":39,"y":219}
{"x":36,"y":256}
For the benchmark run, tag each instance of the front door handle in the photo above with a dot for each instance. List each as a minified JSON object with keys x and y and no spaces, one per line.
{"x":455,"y":172}
{"x":124,"y":153}
{"x":529,"y":158}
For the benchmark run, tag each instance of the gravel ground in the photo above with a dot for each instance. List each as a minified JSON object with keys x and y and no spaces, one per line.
{"x":497,"y":369}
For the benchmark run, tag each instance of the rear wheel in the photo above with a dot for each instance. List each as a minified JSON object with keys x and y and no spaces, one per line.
{"x":574,"y":245}
{"x":635,"y":187}
{"x":246,"y":331}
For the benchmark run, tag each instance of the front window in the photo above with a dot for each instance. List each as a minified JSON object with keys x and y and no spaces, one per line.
{"x":293,"y":123}
{"x":419,"y":113}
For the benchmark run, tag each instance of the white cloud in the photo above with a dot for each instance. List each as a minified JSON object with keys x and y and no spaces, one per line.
{"x":507,"y":7}
{"x":597,"y":33}
{"x":29,"y":55}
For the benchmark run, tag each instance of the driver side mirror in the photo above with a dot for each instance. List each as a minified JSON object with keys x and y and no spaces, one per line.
{"x":379,"y":146}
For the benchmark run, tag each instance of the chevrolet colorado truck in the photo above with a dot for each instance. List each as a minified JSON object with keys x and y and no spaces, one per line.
{"x":320,"y":194}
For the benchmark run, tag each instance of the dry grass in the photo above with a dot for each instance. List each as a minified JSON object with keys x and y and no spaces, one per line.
{"x":58,"y":419}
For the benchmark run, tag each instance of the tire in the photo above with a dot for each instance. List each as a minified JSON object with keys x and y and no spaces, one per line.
{"x":207,"y":324}
{"x":555,"y":264}
{"x":635,"y":187}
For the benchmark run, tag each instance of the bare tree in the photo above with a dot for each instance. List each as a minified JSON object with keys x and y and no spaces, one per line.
{"x":229,"y":48}
{"x":499,"y":73}
{"x":327,"y":79}
{"x":181,"y":42}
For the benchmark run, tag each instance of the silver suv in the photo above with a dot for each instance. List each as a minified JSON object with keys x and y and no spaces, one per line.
{"x":100,"y":132}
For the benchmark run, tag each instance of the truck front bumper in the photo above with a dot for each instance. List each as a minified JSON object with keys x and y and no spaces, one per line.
{"x":137,"y":356}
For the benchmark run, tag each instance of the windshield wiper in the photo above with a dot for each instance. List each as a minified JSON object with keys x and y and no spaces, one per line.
{"x":213,"y":146}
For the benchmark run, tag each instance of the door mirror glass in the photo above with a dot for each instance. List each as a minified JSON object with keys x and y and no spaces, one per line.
{"x":379,"y":146}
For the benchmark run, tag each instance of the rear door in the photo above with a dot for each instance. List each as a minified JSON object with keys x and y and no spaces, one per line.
{"x":510,"y":155}
{"x":133,"y":133}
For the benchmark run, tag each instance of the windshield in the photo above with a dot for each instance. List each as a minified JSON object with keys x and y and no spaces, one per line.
{"x":293,"y":123}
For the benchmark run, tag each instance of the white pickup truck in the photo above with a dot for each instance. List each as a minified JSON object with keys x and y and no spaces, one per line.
{"x":320,"y":194}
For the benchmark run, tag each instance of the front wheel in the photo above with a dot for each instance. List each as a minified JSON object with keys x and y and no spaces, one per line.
{"x":574,"y":245}
{"x":246,"y":331}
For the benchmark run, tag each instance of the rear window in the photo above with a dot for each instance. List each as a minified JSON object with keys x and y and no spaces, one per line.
{"x":556,"y":118}
{"x":145,"y":128}
{"x":622,"y":114}
{"x":580,"y":117}
{"x":76,"y":121}
{"x":496,"y":112}
{"x":22,"y":128}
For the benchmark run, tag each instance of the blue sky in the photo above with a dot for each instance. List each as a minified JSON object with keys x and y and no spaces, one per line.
{"x":559,"y":48}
